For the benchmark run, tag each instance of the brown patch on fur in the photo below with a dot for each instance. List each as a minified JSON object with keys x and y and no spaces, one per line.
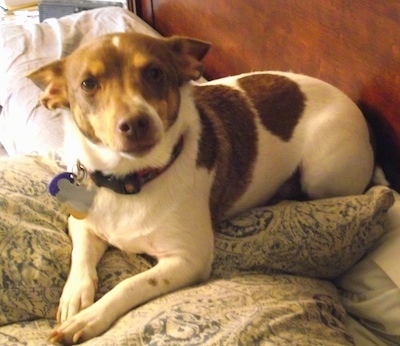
{"x":207,"y":155}
{"x":228,"y":143}
{"x":152,"y":282}
{"x":278,"y":100}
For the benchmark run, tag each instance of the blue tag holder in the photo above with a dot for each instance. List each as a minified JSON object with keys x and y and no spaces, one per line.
{"x":76,"y":198}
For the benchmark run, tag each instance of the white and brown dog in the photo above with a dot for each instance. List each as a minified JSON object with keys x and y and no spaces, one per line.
{"x":169,"y":158}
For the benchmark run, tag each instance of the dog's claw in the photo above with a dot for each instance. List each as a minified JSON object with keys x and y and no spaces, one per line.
{"x":59,"y":337}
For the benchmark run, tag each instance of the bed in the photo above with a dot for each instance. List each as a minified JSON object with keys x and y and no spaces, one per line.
{"x":300,"y":273}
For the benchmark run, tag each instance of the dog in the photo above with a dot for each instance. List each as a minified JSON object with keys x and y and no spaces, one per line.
{"x":168,"y":157}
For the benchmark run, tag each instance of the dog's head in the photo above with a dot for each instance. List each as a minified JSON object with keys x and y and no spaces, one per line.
{"x":123,"y":89}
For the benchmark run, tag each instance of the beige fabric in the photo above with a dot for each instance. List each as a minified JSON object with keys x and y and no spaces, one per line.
{"x":249,"y":299}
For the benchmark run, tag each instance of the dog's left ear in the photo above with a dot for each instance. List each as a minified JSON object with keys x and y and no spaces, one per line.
{"x":188,"y":53}
{"x":50,"y":79}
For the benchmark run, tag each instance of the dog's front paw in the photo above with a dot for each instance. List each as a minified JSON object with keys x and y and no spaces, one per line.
{"x":78,"y":294}
{"x":81,"y":327}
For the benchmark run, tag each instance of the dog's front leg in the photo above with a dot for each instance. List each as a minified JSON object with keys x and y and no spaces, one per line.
{"x":81,"y":285}
{"x":170,"y":273}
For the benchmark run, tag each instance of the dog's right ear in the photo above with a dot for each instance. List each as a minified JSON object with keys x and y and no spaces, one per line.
{"x":50,"y":78}
{"x":188,"y":54}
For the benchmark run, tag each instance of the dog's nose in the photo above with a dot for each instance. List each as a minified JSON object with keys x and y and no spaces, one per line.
{"x":135,"y":127}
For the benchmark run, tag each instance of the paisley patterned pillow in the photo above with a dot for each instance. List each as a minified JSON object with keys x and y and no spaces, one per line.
{"x":317,"y":239}
{"x":34,"y":247}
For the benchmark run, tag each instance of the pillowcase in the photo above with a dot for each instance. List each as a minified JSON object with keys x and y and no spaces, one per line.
{"x":243,"y":310}
{"x":370,"y":290}
{"x":26,"y":127}
{"x":318,"y":239}
{"x":35,"y":249}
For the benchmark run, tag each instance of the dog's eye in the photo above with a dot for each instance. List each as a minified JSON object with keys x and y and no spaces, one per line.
{"x":154,"y":74}
{"x":90,"y":84}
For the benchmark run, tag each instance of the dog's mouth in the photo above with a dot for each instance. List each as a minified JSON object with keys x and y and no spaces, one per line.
{"x":137,"y":150}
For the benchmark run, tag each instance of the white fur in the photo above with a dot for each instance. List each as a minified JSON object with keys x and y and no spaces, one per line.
{"x":170,"y":218}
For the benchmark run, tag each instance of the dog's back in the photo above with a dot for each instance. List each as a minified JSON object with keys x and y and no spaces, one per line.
{"x":261,"y":129}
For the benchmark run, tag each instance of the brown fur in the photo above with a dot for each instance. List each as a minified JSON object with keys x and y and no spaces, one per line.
{"x":229,"y":136}
{"x":280,"y":117}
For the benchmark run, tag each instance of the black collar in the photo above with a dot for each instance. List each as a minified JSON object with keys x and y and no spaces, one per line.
{"x":132,"y":183}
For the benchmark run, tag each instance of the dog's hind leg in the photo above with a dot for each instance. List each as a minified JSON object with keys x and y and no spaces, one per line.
{"x":337,"y":168}
{"x":337,"y":155}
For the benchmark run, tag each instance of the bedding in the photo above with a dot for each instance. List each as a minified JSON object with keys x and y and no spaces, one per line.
{"x":293,"y":273}
{"x":255,"y":291}
{"x":370,"y":289}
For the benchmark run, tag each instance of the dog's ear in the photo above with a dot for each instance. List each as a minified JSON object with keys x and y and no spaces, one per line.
{"x":188,"y":54}
{"x":50,"y":78}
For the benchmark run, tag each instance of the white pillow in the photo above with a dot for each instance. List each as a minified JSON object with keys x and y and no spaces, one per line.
{"x":24,"y":126}
{"x":370,"y":290}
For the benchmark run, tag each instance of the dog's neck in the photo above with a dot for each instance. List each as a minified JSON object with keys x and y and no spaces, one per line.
{"x":132,"y":183}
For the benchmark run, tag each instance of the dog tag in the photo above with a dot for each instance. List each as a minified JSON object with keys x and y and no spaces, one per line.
{"x":76,"y":198}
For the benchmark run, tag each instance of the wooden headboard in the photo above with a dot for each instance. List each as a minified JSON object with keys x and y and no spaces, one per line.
{"x":355,"y":45}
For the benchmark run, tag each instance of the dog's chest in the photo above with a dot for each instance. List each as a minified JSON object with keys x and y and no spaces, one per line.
{"x":126,"y":222}
{"x":144,"y":222}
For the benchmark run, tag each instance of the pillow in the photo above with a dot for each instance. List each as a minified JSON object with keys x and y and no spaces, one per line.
{"x":319,"y":238}
{"x":370,"y":290}
{"x":243,"y":310}
{"x":26,"y":127}
{"x":35,"y":250}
